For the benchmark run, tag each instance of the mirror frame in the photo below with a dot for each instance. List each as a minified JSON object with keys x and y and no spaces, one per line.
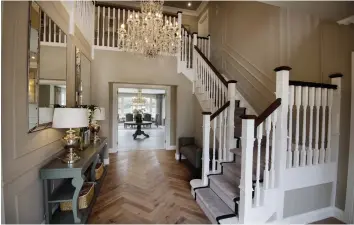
{"x":43,"y":126}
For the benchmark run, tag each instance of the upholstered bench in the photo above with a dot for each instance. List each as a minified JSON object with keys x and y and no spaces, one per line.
{"x":193,"y":153}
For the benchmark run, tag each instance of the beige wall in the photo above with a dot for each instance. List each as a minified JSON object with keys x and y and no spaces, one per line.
{"x":122,"y":67}
{"x":22,"y":154}
{"x":250,"y":39}
{"x":190,"y":22}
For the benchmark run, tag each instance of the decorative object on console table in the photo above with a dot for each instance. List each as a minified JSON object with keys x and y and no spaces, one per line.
{"x":98,"y":114}
{"x":70,"y":118}
{"x":85,"y":197}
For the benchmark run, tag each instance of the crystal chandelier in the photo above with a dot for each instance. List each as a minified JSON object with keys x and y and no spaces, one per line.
{"x":148,"y":33}
{"x":139,"y":100}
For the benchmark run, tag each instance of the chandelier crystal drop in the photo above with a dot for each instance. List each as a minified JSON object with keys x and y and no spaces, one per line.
{"x":147,"y":32}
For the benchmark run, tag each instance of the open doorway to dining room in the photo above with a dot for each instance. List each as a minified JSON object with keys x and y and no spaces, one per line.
{"x":142,"y":117}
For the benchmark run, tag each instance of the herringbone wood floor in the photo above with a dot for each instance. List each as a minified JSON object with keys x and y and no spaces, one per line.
{"x":146,"y":187}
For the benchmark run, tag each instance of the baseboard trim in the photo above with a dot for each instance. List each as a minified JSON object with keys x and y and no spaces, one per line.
{"x":171,"y":147}
{"x":313,"y":216}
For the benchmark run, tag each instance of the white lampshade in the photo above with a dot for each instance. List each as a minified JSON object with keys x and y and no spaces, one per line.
{"x":70,"y":118}
{"x":99,"y":114}
{"x":45,"y":115}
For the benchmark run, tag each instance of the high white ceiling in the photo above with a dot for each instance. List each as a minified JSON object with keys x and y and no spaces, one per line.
{"x":144,"y":91}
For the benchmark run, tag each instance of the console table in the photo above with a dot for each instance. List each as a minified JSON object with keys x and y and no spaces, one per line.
{"x":73,"y":178}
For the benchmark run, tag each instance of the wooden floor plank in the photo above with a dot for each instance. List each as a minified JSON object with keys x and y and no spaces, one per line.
{"x":146,"y":187}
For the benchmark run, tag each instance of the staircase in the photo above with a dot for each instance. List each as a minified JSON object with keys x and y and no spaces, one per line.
{"x":219,"y":191}
{"x":255,"y":158}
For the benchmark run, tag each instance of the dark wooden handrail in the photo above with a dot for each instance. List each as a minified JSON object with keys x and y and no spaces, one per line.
{"x":217,"y":73}
{"x":222,"y":108}
{"x":265,"y":114}
{"x":186,"y":30}
{"x":206,"y":38}
{"x":312,"y":84}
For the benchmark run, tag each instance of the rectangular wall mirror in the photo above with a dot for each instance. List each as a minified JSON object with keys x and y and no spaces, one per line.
{"x":83,"y":79}
{"x":46,"y":69}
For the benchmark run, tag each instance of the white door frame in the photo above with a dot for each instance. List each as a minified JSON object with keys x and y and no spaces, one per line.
{"x":349,"y":203}
{"x":115,"y":112}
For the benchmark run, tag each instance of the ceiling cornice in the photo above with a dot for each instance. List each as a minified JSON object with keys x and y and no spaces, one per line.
{"x":201,"y":7}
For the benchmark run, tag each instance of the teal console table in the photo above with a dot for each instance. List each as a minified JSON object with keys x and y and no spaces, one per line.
{"x":73,"y":176}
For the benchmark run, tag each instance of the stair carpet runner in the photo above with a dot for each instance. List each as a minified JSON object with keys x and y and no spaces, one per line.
{"x":219,"y":200}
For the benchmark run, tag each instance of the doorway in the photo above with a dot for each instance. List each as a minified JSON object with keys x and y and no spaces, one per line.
{"x":141,"y":117}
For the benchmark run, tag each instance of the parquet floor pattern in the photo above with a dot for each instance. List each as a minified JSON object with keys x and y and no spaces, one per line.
{"x":146,"y":187}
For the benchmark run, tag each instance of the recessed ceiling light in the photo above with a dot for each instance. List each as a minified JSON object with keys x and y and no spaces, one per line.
{"x":189,"y":4}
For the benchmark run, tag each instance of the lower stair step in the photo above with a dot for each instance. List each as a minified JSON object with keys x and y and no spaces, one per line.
{"x":226,"y":188}
{"x":213,"y":207}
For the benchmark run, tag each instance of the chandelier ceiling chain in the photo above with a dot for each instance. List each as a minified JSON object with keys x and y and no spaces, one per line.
{"x":148,"y":33}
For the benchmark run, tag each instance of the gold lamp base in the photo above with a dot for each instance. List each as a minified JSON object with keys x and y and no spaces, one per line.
{"x":95,"y":128}
{"x":70,"y":140}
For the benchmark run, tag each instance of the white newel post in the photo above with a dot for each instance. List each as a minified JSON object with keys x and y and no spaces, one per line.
{"x":333,"y":139}
{"x":195,"y":42}
{"x":281,"y":131}
{"x":179,"y":52}
{"x":231,"y":141}
{"x":206,"y":147}
{"x":247,"y":139}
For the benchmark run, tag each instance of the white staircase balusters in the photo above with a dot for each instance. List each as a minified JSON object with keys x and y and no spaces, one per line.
{"x":317,"y":131}
{"x":189,"y":51}
{"x":305,"y":91}
{"x":206,"y":142}
{"x":220,"y":155}
{"x":328,"y":149}
{"x":323,"y":127}
{"x":297,"y":128}
{"x":209,"y":47}
{"x":311,"y":104}
{"x":258,"y":168}
{"x":114,"y":28}
{"x":290,"y":130}
{"x":103,"y":26}
{"x":231,"y":142}
{"x":108,"y":27}
{"x":214,"y":145}
{"x":45,"y":28}
{"x":224,"y":136}
{"x":268,"y":127}
{"x":55,"y":32}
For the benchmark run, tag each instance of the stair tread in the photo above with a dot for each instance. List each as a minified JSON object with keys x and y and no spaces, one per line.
{"x":212,"y":202}
{"x":228,"y":186}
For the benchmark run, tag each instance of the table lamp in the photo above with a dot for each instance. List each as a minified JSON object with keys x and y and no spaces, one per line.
{"x":98,"y":114}
{"x":70,"y":118}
